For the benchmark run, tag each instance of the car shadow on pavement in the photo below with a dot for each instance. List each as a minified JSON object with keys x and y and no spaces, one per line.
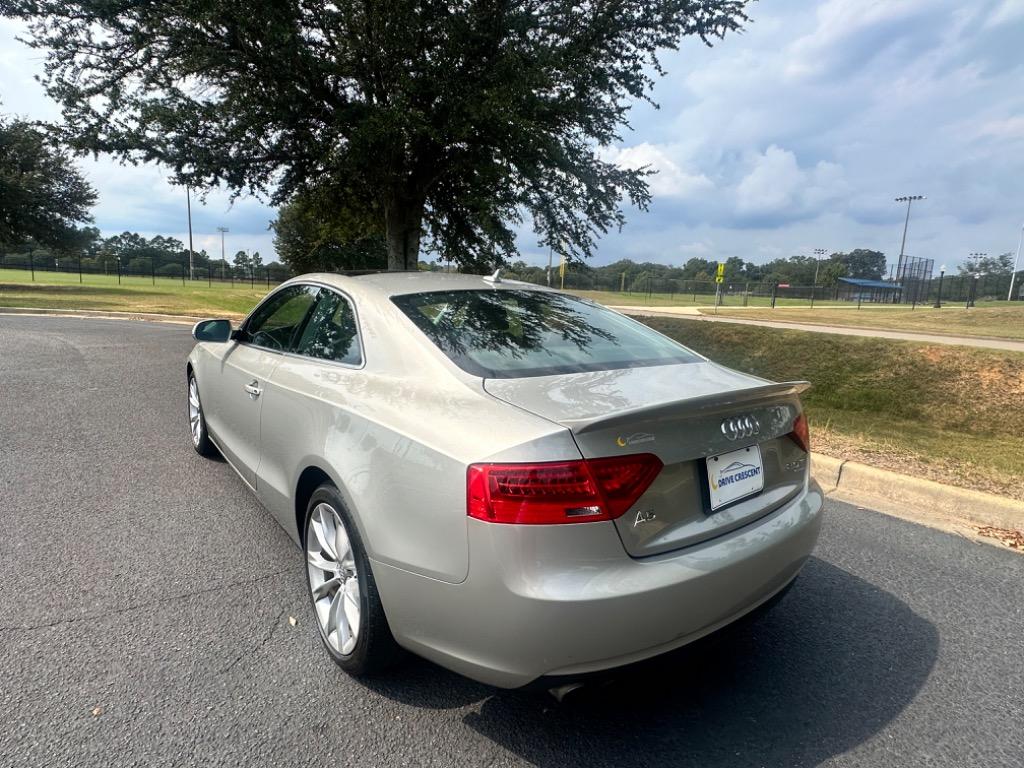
{"x":827,"y":668}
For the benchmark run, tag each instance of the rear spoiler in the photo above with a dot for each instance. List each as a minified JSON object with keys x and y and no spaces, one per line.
{"x":711,"y":402}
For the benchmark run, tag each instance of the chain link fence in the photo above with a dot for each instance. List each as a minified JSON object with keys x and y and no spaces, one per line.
{"x":623,"y":290}
{"x":216,"y":274}
{"x":652,"y":290}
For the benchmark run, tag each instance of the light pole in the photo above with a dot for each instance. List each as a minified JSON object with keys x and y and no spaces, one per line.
{"x":938,"y":299}
{"x":818,"y":253}
{"x":1016,"y":261}
{"x":977,"y":274}
{"x":223,"y":260}
{"x":908,"y":199}
{"x":188,"y":204}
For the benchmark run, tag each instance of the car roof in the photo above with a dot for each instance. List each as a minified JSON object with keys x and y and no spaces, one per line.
{"x":399,"y":283}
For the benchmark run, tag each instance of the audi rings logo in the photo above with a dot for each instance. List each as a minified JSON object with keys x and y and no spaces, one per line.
{"x":740,"y":427}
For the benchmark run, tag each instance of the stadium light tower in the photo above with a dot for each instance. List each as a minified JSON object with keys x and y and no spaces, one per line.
{"x":223,"y":260}
{"x":818,"y":253}
{"x":908,"y":199}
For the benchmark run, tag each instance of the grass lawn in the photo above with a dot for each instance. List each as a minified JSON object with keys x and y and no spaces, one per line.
{"x":1004,"y":320}
{"x":950,"y":414}
{"x":58,"y":290}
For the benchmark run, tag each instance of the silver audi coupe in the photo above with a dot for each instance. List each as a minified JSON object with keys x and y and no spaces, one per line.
{"x":515,"y":483}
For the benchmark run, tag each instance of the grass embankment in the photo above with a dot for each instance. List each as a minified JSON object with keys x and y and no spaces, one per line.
{"x":950,"y":414}
{"x":57,"y":290}
{"x":999,"y":322}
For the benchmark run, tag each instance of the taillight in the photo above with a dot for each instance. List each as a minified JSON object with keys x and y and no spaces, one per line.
{"x":801,"y":434}
{"x":580,"y":491}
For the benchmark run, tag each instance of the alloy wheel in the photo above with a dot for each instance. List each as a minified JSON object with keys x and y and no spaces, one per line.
{"x":333,"y":578}
{"x":195,"y":411}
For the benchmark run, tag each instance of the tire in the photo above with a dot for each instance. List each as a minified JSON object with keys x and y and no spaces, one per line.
{"x":197,"y":422}
{"x":370,"y":648}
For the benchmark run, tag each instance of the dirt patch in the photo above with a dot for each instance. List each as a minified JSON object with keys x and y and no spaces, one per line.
{"x":1012,"y":539}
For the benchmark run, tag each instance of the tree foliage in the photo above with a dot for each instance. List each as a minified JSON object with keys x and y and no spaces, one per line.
{"x":796,"y":270}
{"x":988,"y":265}
{"x":863,"y":263}
{"x":42,"y":194}
{"x":453,"y":119}
{"x":310,"y":235}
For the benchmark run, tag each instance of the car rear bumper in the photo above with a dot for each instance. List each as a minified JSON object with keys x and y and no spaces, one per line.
{"x":567,"y":600}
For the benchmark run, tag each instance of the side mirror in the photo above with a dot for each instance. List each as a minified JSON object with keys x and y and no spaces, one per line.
{"x":212,"y":330}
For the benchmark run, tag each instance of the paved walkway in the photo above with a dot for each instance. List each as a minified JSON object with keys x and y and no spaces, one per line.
{"x":693,"y":313}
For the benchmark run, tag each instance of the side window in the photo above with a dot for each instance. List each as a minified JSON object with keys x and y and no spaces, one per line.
{"x":275,"y":321}
{"x":331,"y":332}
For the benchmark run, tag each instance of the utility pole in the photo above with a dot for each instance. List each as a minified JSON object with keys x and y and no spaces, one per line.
{"x":188,"y":203}
{"x":223,"y":260}
{"x":1016,"y":261}
{"x":549,"y":266}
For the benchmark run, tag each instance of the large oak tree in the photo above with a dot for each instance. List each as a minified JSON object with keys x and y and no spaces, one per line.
{"x":454,"y":119}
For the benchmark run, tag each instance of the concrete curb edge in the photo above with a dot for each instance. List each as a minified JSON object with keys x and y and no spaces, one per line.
{"x":913,"y":498}
{"x":103,"y":314}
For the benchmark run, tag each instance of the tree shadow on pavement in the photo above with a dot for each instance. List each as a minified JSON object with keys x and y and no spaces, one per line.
{"x":823,"y":671}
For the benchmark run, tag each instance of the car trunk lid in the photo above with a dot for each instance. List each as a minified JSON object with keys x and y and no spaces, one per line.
{"x":692,"y":416}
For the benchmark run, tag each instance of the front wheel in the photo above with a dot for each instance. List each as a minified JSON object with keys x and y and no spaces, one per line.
{"x":196,"y":421}
{"x":348,"y":610}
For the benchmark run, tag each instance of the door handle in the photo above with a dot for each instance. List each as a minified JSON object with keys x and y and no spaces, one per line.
{"x":253,"y":390}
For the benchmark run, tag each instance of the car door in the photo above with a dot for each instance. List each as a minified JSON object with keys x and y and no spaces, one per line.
{"x":303,"y":397}
{"x":246,"y":369}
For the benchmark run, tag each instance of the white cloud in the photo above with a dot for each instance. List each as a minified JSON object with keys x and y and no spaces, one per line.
{"x":1006,"y":11}
{"x":877,"y":23}
{"x":1011,"y":128}
{"x":670,"y":180}
{"x":777,"y":185}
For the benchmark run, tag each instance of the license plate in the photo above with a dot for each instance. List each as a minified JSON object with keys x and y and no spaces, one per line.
{"x":734,"y":475}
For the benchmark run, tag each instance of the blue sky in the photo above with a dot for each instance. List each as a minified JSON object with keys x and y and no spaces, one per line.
{"x":795,"y":135}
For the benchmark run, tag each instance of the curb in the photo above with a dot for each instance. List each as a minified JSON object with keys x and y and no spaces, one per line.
{"x":912,"y":498}
{"x":102,"y":314}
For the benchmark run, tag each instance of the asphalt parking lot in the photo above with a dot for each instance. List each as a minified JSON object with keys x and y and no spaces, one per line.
{"x":145,"y":602}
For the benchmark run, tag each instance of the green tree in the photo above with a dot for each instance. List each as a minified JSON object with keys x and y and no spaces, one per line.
{"x":42,"y":194}
{"x":310,"y":236}
{"x":242,"y":264}
{"x":865,"y":264}
{"x":832,"y":269}
{"x":453,"y":119}
{"x":1001,"y":265}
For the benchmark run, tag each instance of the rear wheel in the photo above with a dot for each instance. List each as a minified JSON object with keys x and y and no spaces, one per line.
{"x":196,"y":422}
{"x":346,"y":605}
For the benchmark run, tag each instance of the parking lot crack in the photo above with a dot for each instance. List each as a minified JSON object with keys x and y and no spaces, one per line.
{"x":142,"y":606}
{"x":260,"y":645}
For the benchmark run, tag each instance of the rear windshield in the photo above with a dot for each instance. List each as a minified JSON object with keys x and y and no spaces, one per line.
{"x":507,"y":333}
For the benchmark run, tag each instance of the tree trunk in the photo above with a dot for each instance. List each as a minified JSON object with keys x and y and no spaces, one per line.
{"x":403,"y":220}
